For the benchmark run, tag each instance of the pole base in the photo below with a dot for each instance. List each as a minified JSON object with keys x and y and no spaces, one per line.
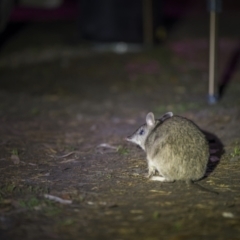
{"x":212,"y":99}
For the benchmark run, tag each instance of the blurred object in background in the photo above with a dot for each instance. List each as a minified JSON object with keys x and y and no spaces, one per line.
{"x":116,"y":20}
{"x":40,"y":3}
{"x":44,"y":10}
{"x":111,"y":20}
{"x":115,"y":25}
{"x":27,"y":10}
{"x":229,"y":71}
{"x":18,"y":15}
{"x":5,"y":11}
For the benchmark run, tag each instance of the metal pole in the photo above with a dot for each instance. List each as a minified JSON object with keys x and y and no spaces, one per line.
{"x":214,"y":7}
{"x":212,"y":58}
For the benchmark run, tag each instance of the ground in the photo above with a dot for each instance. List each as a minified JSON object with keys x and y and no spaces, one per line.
{"x":66,"y":171}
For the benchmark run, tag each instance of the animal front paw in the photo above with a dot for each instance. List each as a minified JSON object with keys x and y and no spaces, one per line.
{"x":151,"y":172}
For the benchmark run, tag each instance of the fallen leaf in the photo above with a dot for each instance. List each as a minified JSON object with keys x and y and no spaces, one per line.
{"x":227,"y":215}
{"x":68,"y":160}
{"x":63,"y":156}
{"x":159,"y":191}
{"x":57,"y":199}
{"x":15,"y":159}
{"x":32,"y":164}
{"x":106,"y":145}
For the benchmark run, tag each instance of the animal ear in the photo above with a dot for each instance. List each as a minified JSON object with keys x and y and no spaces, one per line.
{"x":150,"y":120}
{"x":166,"y":116}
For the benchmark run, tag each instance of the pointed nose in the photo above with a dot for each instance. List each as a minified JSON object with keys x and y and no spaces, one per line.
{"x":128,"y":139}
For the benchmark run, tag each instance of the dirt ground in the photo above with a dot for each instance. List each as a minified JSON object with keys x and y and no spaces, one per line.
{"x":66,"y":171}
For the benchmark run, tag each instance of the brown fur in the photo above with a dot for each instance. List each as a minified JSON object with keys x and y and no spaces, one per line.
{"x":175,"y":147}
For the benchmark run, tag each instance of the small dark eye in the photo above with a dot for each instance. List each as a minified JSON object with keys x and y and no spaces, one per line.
{"x":141,"y":132}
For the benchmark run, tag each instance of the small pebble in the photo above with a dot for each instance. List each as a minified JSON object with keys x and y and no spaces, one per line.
{"x":227,"y":215}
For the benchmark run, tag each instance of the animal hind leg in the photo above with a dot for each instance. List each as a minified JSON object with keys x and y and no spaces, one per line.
{"x":160,"y":179}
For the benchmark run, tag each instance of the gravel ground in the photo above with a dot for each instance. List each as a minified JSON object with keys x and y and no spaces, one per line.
{"x":66,"y":171}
